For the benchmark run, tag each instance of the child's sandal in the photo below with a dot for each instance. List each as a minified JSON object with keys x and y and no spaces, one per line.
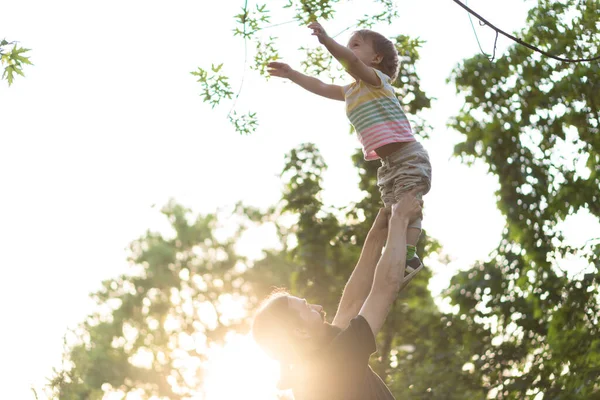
{"x":412,"y":265}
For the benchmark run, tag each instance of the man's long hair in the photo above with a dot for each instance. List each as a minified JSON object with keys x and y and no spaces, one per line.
{"x":273,"y":325}
{"x":272,"y":330}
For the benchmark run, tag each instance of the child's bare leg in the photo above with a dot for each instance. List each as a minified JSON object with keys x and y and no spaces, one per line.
{"x":413,"y":262}
{"x":412,"y":236}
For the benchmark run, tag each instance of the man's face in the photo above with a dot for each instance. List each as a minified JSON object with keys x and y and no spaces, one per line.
{"x":312,"y":314}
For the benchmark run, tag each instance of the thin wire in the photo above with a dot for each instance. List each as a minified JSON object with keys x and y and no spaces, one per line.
{"x":289,"y":22}
{"x":475,"y":32}
{"x":245,"y":62}
{"x":274,"y":25}
{"x":494,"y":54}
{"x":339,"y":33}
{"x":529,"y":46}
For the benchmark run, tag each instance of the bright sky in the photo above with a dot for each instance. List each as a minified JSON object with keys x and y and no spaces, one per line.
{"x":108,"y":125}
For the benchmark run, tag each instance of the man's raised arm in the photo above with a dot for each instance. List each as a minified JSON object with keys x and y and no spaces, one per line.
{"x":359,"y":285}
{"x":389,"y":273}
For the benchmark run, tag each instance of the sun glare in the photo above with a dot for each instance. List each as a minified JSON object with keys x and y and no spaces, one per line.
{"x":239,"y":370}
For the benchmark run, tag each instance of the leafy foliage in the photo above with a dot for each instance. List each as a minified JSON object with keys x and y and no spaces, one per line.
{"x":244,"y":124}
{"x":387,"y":15}
{"x":317,"y":61}
{"x":265,"y":53}
{"x":535,"y":123}
{"x":215,"y":86}
{"x":14,"y":59}
{"x":250,"y":21}
{"x":308,"y":11}
{"x":143,"y":336}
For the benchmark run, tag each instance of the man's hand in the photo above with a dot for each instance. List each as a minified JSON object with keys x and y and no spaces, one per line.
{"x":409,"y":206}
{"x":319,"y":32}
{"x":279,"y":69}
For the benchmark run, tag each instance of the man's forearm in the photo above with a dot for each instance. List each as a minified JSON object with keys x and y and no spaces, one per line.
{"x":360,"y":282}
{"x":389,"y":272}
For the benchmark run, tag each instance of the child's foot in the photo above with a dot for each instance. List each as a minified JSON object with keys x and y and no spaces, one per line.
{"x":412,"y":265}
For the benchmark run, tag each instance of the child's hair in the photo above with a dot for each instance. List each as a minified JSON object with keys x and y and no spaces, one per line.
{"x":384,"y":47}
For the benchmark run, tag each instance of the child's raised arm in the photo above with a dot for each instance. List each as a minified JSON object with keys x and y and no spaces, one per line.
{"x":309,"y":83}
{"x":345,"y":56}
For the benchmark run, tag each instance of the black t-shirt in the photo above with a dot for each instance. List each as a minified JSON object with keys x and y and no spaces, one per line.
{"x":340,"y":371}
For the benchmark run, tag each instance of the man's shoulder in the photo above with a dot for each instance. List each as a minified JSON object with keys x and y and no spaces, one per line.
{"x":357,"y":339}
{"x":360,"y":327}
{"x":341,"y":369}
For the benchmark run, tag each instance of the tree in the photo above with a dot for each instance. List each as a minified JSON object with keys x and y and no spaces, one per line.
{"x":535,"y":123}
{"x":142,"y":336}
{"x":12,"y":56}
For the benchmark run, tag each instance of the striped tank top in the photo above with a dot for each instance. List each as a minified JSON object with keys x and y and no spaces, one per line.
{"x":376,"y":114}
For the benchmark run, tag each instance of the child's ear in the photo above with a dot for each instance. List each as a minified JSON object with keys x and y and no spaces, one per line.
{"x":377,"y":59}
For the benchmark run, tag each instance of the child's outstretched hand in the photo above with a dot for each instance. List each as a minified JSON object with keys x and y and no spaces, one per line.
{"x":279,"y":69}
{"x":319,"y":32}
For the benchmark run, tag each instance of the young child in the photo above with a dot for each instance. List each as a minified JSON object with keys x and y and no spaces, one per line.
{"x":375,"y":112}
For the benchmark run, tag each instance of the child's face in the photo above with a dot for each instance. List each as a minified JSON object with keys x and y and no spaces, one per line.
{"x":363,"y":49}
